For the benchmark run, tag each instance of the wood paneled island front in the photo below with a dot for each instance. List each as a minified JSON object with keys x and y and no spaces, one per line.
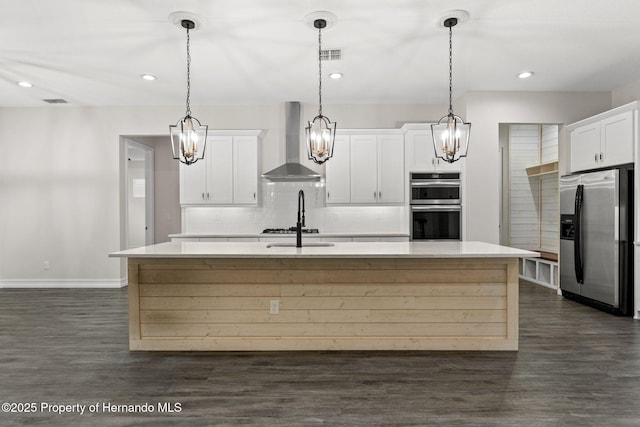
{"x":350,"y":296}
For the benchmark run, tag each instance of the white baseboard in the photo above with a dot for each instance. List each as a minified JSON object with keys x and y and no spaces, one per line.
{"x":63,"y":283}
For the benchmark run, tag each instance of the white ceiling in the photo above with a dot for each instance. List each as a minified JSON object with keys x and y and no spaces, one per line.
{"x":92,"y":52}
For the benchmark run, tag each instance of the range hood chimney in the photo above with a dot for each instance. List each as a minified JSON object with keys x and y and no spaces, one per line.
{"x":292,"y":170}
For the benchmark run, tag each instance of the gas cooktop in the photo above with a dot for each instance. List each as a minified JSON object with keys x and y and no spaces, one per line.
{"x":290,"y":230}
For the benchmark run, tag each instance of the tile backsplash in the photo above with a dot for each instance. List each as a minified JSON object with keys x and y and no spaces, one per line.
{"x":279,"y":207}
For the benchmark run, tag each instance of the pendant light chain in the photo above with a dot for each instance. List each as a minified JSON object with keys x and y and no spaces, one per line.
{"x":450,"y":136}
{"x":320,"y":70}
{"x":188,"y":135}
{"x":188,"y":73}
{"x":450,"y":68}
{"x":320,"y":132}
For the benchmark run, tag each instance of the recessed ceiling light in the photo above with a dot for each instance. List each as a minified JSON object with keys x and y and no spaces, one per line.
{"x":335,"y":76}
{"x":25,"y":84}
{"x":525,"y":74}
{"x":149,"y":77}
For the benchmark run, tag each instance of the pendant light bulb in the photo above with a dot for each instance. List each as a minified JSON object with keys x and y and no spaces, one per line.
{"x":188,"y":135}
{"x":451,"y":134}
{"x":320,"y":132}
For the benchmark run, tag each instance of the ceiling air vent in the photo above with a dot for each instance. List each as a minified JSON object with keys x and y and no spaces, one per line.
{"x":55,"y":101}
{"x":331,"y":54}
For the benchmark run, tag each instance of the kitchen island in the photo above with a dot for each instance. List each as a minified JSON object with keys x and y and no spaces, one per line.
{"x":349,"y":296}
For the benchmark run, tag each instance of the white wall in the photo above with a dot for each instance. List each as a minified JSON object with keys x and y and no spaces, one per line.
{"x":485,"y":111}
{"x":621,"y":96}
{"x":61,"y":166}
{"x":625,"y":94}
{"x":60,"y":190}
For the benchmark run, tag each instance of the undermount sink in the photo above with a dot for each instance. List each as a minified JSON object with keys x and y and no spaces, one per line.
{"x":304,"y":244}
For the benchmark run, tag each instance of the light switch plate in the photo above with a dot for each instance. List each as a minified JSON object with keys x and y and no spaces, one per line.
{"x":274,"y":307}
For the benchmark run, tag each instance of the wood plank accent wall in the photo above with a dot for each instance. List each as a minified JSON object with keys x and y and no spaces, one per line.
{"x":324,"y":304}
{"x":524,"y":151}
{"x":534,"y":201}
{"x":549,"y":192}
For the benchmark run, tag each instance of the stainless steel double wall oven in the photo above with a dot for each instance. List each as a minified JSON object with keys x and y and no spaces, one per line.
{"x":436,"y":206}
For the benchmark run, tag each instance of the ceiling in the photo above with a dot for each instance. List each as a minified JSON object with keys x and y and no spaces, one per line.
{"x":92,"y":52}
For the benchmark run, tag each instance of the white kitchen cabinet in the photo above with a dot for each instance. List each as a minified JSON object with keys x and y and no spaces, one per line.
{"x":245,"y":170}
{"x":419,"y":152}
{"x":602,"y":141}
{"x":367,"y":168}
{"x":364,"y":169}
{"x":338,"y":176}
{"x":209,"y":181}
{"x":391,"y":169}
{"x":193,"y":182}
{"x":228,"y":174}
{"x":616,"y":140}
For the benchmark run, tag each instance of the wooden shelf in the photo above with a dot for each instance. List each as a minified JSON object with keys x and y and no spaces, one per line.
{"x":551,"y":256}
{"x":543,"y":169}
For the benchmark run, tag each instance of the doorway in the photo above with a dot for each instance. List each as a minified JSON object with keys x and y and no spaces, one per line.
{"x":139,"y":195}
{"x":529,"y":215}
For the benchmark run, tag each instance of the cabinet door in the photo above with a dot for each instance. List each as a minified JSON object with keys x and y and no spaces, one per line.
{"x":245,"y":170}
{"x":218,"y":157}
{"x":419,"y":150}
{"x":616,"y":141}
{"x":338,"y":178}
{"x":193,"y":182}
{"x":585,"y":147}
{"x":442,"y":165}
{"x":364,"y":165}
{"x":390,"y":169}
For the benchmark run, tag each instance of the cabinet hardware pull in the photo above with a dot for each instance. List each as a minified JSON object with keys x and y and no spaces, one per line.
{"x":254,"y":195}
{"x":595,"y":158}
{"x":380,"y":194}
{"x":375,"y":195}
{"x":328,"y":194}
{"x":203,"y":196}
{"x":601,"y":156}
{"x":207,"y":195}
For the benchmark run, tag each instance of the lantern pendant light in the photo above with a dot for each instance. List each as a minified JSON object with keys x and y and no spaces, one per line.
{"x":321,"y":132}
{"x":188,"y":136}
{"x":451,"y":133}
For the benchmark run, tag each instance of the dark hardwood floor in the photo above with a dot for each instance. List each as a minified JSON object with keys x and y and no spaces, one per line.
{"x":576,"y":366}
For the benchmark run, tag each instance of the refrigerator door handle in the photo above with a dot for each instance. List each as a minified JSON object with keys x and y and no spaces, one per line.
{"x":577,"y":243}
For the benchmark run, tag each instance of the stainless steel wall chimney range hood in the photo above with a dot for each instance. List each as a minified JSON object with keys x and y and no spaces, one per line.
{"x":292,"y":170}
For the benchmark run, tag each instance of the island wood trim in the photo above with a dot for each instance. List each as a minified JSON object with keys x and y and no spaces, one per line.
{"x":325,"y":304}
{"x":134,"y":303}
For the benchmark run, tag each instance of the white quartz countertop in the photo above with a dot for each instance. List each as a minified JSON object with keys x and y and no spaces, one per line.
{"x":338,"y":250}
{"x":293,"y":235}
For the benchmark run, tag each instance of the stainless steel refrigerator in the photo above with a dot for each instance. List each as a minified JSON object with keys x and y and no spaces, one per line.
{"x":596,"y":243}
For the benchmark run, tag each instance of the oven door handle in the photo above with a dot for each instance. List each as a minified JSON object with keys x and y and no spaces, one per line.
{"x":453,"y":183}
{"x":441,"y":208}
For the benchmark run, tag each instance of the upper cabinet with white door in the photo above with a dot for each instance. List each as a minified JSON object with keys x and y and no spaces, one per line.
{"x":228,"y":174}
{"x":603,"y":140}
{"x":419,"y":152}
{"x":367,"y":168}
{"x":338,"y":172}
